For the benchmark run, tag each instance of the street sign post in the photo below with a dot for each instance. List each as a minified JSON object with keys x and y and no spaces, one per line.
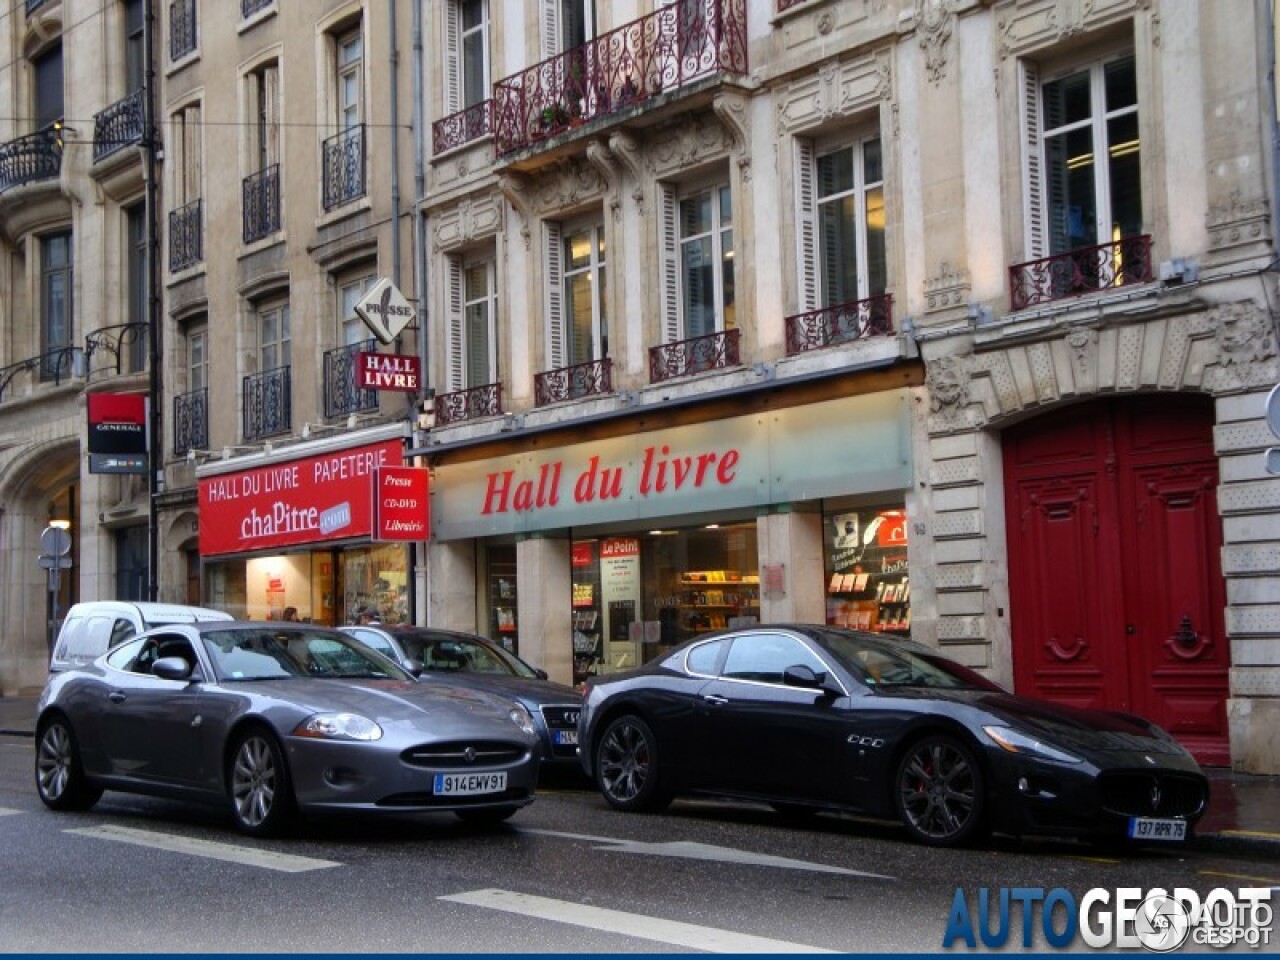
{"x":1273,"y":421}
{"x":55,"y":541}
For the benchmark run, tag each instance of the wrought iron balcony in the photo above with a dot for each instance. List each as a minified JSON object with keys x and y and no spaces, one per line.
{"x":190,"y":422}
{"x":712,"y":351}
{"x":845,"y":322}
{"x":249,"y":7}
{"x":186,"y":237}
{"x":470,"y":404}
{"x":182,"y":28}
{"x":118,"y":126}
{"x":342,"y":393}
{"x":267,"y":404}
{"x":116,"y":350}
{"x":59,"y":364}
{"x":342,"y":165}
{"x":1080,"y":271}
{"x":262,"y":203}
{"x":590,"y":379}
{"x":462,"y":127}
{"x":37,"y":156}
{"x":634,"y":63}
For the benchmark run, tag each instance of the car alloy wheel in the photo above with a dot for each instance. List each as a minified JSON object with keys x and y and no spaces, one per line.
{"x":260,"y":792}
{"x":627,"y":765}
{"x":939,"y":792}
{"x":60,"y":779}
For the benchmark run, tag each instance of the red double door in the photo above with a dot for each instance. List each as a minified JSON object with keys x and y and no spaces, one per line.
{"x":1116,"y":592}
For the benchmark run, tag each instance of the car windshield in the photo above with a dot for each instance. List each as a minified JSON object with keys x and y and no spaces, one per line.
{"x":883,"y":664}
{"x":460,"y":653}
{"x":269,"y":654}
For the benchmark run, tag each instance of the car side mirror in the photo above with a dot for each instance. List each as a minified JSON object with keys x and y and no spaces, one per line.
{"x":171,"y":668}
{"x":415,"y":667}
{"x":803,"y":676}
{"x":540,"y":673}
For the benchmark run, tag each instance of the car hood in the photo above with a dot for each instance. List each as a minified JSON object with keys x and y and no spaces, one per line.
{"x":528,"y":690}
{"x":1073,"y":728}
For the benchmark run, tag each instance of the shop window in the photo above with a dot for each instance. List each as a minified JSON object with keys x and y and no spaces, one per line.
{"x":500,"y":583}
{"x":868,"y":583}
{"x":376,"y":584}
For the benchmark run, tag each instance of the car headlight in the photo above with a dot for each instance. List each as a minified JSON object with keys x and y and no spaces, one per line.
{"x":521,"y":717}
{"x":339,"y":726}
{"x":1014,"y":741}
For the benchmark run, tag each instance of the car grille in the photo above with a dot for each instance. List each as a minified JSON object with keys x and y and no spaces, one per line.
{"x":1152,"y":794}
{"x":562,"y":717}
{"x":463,"y":754}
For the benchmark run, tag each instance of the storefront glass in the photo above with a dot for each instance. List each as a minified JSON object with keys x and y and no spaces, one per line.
{"x":868,"y":583}
{"x":500,"y":599}
{"x":636,"y":596}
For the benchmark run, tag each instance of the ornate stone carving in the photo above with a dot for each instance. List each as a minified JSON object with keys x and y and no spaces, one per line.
{"x":1245,"y":337}
{"x":948,"y":289}
{"x":689,"y":143}
{"x":571,"y":183}
{"x":627,"y":151}
{"x":466,"y":221}
{"x":515,"y":189}
{"x":600,"y":158}
{"x":1083,"y":344}
{"x":935,"y":21}
{"x":731,"y":109}
{"x":1238,"y":221}
{"x":947,"y":380}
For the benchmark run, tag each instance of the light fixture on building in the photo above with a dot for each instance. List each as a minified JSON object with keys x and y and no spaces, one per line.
{"x":60,"y":524}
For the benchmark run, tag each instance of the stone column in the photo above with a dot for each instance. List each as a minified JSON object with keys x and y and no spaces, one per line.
{"x":794,"y":541}
{"x":451,"y":585}
{"x":544,"y":593}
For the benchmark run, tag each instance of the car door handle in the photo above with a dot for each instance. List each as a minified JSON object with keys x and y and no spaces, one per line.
{"x":713,"y":698}
{"x":115,"y":696}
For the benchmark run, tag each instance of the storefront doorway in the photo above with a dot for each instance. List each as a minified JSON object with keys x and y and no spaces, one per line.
{"x":1115,"y":580}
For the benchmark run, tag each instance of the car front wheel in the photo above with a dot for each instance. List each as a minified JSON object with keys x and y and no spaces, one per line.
{"x":627,"y":766}
{"x":60,"y":778}
{"x":261,"y":794}
{"x":939,"y":792}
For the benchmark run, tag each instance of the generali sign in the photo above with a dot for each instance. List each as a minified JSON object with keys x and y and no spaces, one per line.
{"x":311,"y":500}
{"x":848,"y":446}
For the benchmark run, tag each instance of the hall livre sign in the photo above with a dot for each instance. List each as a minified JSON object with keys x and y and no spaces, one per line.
{"x":389,"y":371}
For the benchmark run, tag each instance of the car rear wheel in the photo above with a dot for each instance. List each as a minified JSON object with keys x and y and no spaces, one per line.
{"x":261,"y":793}
{"x":939,"y":792}
{"x":627,"y":766}
{"x":486,"y":815}
{"x":60,"y":778}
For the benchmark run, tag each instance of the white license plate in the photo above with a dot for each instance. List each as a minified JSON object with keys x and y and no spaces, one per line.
{"x":566,"y":738}
{"x":468,"y":784}
{"x":1149,"y":828}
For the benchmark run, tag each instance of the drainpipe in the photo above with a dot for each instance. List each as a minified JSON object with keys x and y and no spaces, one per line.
{"x":155,"y":452}
{"x":420,"y":582}
{"x":395,"y":143}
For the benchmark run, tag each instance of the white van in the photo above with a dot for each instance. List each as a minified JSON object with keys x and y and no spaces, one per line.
{"x":94,"y":627}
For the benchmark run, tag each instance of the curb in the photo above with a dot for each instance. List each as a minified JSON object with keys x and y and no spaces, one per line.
{"x":1251,"y":842}
{"x":17,"y":733}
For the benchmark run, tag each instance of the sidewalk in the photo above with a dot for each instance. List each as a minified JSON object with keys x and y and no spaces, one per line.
{"x":1244,"y":810}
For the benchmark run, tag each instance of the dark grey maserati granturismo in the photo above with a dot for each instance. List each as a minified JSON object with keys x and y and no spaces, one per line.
{"x":272,"y":719}
{"x":810,"y":718}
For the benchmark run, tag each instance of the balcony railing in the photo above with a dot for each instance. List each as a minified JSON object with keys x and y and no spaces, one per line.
{"x":37,"y":156}
{"x":712,"y":351}
{"x":182,"y":28}
{"x":462,"y":127}
{"x":342,"y":394}
{"x":249,"y":7}
{"x":634,"y":63}
{"x":262,"y":203}
{"x":590,"y":379}
{"x":267,"y":404}
{"x":342,"y":165}
{"x":186,"y":237}
{"x":470,"y":404}
{"x":116,"y":350}
{"x":118,"y":126}
{"x":1080,"y":271}
{"x":58,"y":364}
{"x":845,"y":322}
{"x":190,"y":422}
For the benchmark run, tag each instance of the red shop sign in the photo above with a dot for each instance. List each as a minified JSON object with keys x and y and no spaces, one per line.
{"x":401,"y":505}
{"x":582,"y":554}
{"x":297,"y":501}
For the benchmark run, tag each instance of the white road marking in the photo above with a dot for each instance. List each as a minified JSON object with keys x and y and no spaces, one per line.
{"x":636,"y":925}
{"x":691,"y":850}
{"x":6,"y":812}
{"x":266,"y":859}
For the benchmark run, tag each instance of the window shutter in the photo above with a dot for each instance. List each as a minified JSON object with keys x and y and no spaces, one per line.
{"x":455,"y":359}
{"x":806,"y":226}
{"x":452,"y":58}
{"x":553,"y":247}
{"x":1032,"y":162}
{"x":271,"y":82}
{"x":550,"y":28}
{"x":193,"y":158}
{"x":668,"y":242}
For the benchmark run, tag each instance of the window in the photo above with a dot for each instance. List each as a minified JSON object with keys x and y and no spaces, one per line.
{"x":274,"y":340}
{"x":137,"y":281}
{"x":55,"y":315}
{"x":198,"y":359}
{"x":131,"y":563}
{"x":698,"y":253}
{"x":466,"y":54}
{"x":134,"y":49}
{"x":350,"y":64}
{"x":264,"y":103}
{"x":763,"y":657}
{"x":577,"y":294}
{"x":182,"y":28}
{"x":566,"y":24}
{"x":185,"y":147}
{"x":351,"y":327}
{"x":473,"y":307}
{"x":1090,"y":191}
{"x":840,"y":194}
{"x":47,"y":70}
